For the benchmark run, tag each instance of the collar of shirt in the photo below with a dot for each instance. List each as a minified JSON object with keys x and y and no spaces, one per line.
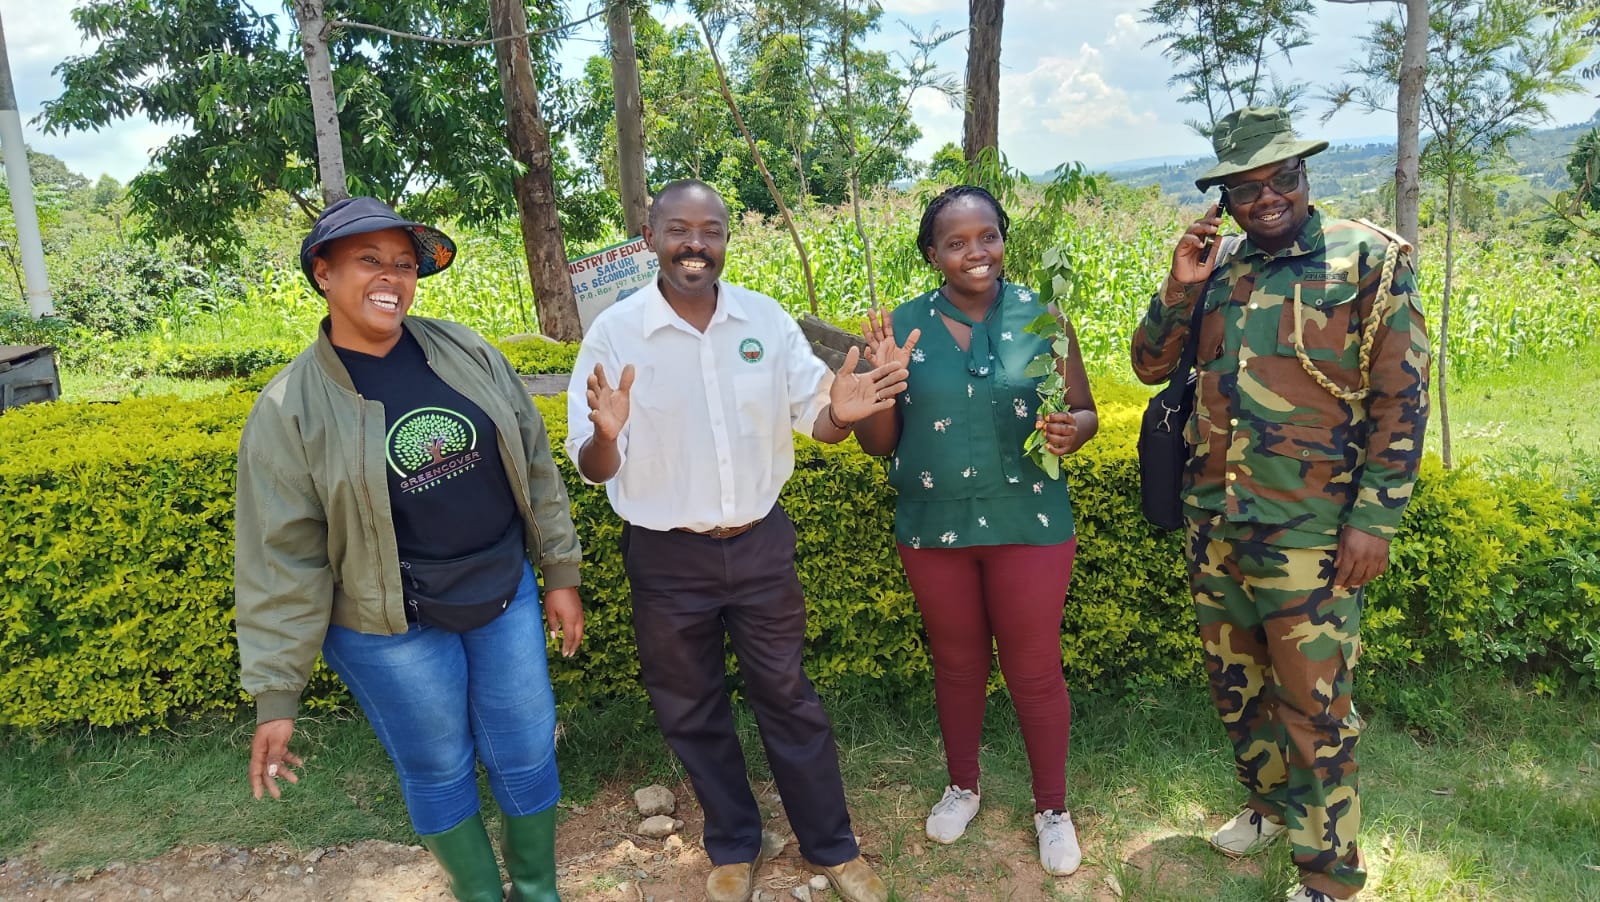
{"x":658,"y":314}
{"x":1309,"y":240}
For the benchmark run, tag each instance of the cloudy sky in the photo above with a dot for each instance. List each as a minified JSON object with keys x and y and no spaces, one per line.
{"x":1077,"y":82}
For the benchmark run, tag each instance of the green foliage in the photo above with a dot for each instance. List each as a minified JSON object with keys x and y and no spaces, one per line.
{"x":539,"y":355}
{"x":1492,"y":572}
{"x":1226,"y":49}
{"x":119,"y":528}
{"x":422,"y":125}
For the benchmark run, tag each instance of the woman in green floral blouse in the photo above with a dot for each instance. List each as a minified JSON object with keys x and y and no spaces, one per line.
{"x":985,"y":536}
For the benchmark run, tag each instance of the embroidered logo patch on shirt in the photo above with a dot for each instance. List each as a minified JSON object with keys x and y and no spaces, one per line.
{"x":751,"y":351}
{"x":1325,"y":275}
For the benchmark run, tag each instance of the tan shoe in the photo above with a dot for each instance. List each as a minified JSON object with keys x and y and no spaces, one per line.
{"x":731,"y":882}
{"x":854,"y":881}
{"x":735,"y":882}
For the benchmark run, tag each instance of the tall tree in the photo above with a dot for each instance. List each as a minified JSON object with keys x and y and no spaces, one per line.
{"x":529,"y":140}
{"x":324,"y":105}
{"x":980,"y":127}
{"x":420,"y":124}
{"x":1225,"y":51}
{"x":1408,"y":116}
{"x":1493,"y":65}
{"x":629,"y":116}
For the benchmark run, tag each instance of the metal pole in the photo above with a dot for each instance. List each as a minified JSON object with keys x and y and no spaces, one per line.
{"x":21,"y":184}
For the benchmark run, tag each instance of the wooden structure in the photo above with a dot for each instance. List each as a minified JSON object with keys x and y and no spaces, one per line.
{"x":27,"y":374}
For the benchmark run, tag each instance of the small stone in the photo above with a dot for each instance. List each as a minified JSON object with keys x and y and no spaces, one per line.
{"x":801,"y":892}
{"x":902,"y":787}
{"x":315,"y":855}
{"x":676,"y":825}
{"x":655,"y":799}
{"x":84,"y":873}
{"x":819,"y":883}
{"x":674,"y":842}
{"x":659,"y":826}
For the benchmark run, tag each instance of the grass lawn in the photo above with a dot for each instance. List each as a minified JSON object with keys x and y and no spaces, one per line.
{"x":1473,"y":788}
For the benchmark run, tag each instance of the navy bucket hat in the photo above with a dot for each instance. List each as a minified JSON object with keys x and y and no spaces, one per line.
{"x":360,"y":215}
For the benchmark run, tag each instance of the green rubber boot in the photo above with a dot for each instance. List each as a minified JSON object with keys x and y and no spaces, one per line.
{"x":467,"y":858}
{"x":528,"y":844}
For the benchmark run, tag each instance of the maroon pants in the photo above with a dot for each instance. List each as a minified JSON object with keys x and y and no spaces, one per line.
{"x":1010,"y":596}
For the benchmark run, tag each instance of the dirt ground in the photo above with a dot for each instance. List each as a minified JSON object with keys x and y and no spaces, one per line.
{"x":600,"y":856}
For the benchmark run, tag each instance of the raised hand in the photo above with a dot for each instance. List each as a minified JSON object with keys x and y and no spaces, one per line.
{"x":855,"y":396}
{"x":608,"y":407}
{"x":881,"y":347}
{"x":1187,"y":267}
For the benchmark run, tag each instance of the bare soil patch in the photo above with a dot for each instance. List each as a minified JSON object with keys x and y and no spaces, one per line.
{"x":601,"y":856}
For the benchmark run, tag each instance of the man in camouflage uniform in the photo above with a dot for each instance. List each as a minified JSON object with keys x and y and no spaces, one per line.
{"x":1310,"y":410}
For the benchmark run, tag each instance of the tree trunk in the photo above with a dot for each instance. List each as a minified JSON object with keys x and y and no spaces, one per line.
{"x":324,"y":108}
{"x":981,"y":127}
{"x":630,"y":118}
{"x":1444,"y":315}
{"x":535,"y":188}
{"x":866,"y":241}
{"x":1413,"y":75}
{"x":35,"y":282}
{"x":761,"y":164}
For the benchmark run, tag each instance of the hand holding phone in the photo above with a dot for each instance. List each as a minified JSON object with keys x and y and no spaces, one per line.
{"x":1215,"y":213}
{"x":1192,"y":259}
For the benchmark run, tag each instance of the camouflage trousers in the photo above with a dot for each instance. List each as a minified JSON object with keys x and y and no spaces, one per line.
{"x":1280,"y":642}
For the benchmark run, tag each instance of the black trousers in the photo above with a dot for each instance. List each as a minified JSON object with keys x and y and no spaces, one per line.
{"x":688,"y":592}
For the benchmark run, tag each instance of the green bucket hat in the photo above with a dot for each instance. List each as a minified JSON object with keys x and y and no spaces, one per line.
{"x":1251,"y":138}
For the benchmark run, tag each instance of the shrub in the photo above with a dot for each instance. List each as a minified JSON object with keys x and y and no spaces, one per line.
{"x":540,"y":355}
{"x":119,"y":524}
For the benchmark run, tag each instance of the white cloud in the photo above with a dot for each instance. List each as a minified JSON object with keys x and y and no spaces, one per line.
{"x":1064,"y":108}
{"x":917,"y":7}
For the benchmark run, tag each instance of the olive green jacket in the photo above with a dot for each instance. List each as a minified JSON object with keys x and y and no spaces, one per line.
{"x":314,"y":539}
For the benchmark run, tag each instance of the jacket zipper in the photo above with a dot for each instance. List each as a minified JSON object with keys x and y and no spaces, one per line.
{"x":366,"y":494}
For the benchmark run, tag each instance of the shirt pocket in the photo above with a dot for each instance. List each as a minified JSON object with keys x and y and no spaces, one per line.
{"x":1213,"y":327}
{"x":756,"y":405}
{"x":1325,"y":325}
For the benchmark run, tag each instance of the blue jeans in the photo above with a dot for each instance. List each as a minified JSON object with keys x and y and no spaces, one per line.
{"x":441,"y":701}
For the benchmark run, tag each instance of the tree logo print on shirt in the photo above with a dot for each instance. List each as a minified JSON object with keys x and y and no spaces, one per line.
{"x":429,"y":445}
{"x":751,"y":351}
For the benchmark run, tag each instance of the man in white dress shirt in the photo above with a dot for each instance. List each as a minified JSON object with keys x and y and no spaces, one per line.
{"x":693,"y":443}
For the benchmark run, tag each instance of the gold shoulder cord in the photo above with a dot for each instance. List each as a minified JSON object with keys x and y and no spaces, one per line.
{"x":1369,"y":327}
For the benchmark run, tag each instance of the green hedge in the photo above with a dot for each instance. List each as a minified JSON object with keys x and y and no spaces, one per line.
{"x":118,"y":537}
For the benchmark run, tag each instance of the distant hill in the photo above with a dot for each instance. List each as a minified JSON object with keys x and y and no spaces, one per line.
{"x":1352,"y":169}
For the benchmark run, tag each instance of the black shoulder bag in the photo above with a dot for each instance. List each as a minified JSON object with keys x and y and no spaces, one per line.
{"x":1162,"y":451}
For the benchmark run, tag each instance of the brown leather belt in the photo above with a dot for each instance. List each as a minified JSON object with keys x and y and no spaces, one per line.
{"x":721,"y":532}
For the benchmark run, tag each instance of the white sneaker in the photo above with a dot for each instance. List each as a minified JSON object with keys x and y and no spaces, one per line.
{"x":1058,"y":842}
{"x":951,"y":814}
{"x":1307,"y":894}
{"x":1248,"y":833}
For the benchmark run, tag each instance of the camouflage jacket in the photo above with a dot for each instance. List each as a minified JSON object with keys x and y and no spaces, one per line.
{"x":1277,"y":456}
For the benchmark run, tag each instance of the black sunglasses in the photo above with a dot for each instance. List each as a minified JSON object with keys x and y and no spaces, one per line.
{"x":1282,"y":182}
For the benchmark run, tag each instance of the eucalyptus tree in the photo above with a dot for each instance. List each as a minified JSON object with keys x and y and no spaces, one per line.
{"x":980,"y":123}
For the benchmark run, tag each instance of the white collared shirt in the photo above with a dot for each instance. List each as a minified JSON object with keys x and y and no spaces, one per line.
{"x":708,"y":440}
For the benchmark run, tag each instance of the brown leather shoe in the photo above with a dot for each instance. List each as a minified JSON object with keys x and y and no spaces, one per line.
{"x":854,"y":881}
{"x":734,"y":882}
{"x":731,"y":882}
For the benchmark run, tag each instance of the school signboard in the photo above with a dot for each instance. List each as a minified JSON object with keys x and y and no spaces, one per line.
{"x":610,"y":274}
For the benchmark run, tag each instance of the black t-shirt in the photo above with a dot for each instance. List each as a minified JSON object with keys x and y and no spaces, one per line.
{"x":455,"y":519}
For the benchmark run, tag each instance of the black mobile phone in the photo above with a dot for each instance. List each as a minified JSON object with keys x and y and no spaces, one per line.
{"x":1222,"y":206}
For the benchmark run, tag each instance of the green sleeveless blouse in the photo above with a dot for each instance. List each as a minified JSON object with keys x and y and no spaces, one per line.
{"x":959,"y":470}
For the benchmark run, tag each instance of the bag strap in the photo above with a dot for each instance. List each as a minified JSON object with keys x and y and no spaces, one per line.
{"x":1191,"y":348}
